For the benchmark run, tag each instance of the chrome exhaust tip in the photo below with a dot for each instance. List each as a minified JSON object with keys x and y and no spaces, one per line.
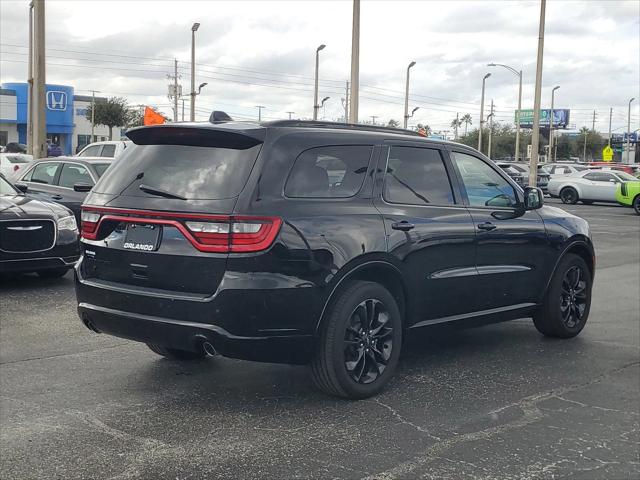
{"x":208,"y":349}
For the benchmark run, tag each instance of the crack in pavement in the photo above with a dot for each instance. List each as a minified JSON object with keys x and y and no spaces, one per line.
{"x":404,"y":421}
{"x":46,"y":357}
{"x":531,"y":414}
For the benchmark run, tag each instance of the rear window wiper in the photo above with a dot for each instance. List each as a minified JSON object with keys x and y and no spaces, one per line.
{"x":160,"y":192}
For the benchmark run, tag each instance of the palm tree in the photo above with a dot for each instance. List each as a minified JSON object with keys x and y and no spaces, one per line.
{"x":455,"y":123}
{"x":466,"y":119}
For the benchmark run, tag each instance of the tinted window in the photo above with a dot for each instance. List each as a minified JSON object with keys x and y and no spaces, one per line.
{"x":485,"y":187}
{"x":44,"y":173}
{"x":108,"y":151}
{"x":416,"y":176}
{"x":100,"y":168}
{"x":201,"y":173}
{"x":73,"y":173}
{"x":599,"y":177}
{"x":328,"y":172}
{"x":91,"y":151}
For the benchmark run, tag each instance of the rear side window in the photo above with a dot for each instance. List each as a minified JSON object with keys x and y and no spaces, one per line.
{"x":73,"y":173}
{"x":336,"y":171}
{"x":91,"y":151}
{"x":417,"y":176}
{"x":43,"y":173}
{"x":195,"y":173}
{"x":108,"y":151}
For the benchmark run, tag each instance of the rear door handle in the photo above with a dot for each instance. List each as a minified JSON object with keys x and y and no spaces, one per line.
{"x":403,"y":226}
{"x":487,"y":226}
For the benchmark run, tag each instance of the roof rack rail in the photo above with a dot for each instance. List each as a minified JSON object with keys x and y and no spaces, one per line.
{"x":338,"y":125}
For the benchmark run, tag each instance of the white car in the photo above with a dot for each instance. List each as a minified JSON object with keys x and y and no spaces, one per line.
{"x":559,"y":169}
{"x":12,"y":163}
{"x":588,"y":186}
{"x":106,"y":149}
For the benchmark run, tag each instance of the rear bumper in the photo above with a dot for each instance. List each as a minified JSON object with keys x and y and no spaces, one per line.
{"x":185,"y":335}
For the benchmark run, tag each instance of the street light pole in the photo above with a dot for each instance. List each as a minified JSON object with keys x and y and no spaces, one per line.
{"x":406,"y":97}
{"x":315,"y":89}
{"x":629,"y":132}
{"x":535,"y":140}
{"x":355,"y":63}
{"x":490,"y":117}
{"x":259,"y":107}
{"x":484,"y":79}
{"x":194,"y":29}
{"x":517,"y":73}
{"x":553,"y":92}
{"x":610,"y":117}
{"x":30,"y":85}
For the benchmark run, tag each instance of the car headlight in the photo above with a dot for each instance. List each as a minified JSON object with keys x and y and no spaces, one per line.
{"x":68,"y":223}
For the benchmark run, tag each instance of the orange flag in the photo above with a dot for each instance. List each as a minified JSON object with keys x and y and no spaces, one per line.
{"x":151,"y":117}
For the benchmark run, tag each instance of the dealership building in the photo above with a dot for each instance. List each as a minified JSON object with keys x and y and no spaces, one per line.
{"x":67,"y":125}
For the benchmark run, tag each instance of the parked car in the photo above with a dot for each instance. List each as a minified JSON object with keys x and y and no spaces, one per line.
{"x":65,"y":180}
{"x":236,"y":238}
{"x":11,"y":164}
{"x":108,"y":149}
{"x":556,"y":169}
{"x":542,"y":178}
{"x":621,"y":167}
{"x":14,"y":147}
{"x":35,"y":236}
{"x":628,"y":195}
{"x":513,"y":172}
{"x":588,"y":186}
{"x":53,"y":150}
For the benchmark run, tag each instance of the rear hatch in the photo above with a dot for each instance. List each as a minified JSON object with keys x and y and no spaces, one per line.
{"x":160,"y":217}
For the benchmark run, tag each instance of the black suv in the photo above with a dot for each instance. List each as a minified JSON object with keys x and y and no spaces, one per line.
{"x":321,"y":244}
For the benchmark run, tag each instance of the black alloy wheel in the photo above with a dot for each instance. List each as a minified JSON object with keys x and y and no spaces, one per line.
{"x":569,"y":195}
{"x":368,"y":341}
{"x":573,"y":297}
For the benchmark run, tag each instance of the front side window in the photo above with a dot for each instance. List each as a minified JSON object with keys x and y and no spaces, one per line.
{"x":328,"y":172}
{"x":73,"y":173}
{"x":43,"y":173}
{"x":485,"y":187}
{"x":416,"y":176}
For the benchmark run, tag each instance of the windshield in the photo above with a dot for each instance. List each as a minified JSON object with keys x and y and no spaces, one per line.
{"x":626,"y":177}
{"x":6,"y":188}
{"x":195,"y":173}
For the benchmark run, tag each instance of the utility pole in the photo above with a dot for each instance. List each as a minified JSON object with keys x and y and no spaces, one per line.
{"x":290,"y":113}
{"x":456,"y":126}
{"x":551,"y":139}
{"x":584,"y":147}
{"x":406,"y":97}
{"x":610,"y":115}
{"x":39,"y":82}
{"x":490,"y":131}
{"x":93,"y":113}
{"x":194,"y":29}
{"x":175,"y":90}
{"x":373,"y":119}
{"x":593,"y":123}
{"x":355,"y":63}
{"x":346,"y":104}
{"x":182,"y":109}
{"x":629,"y":133}
{"x":30,"y":85}
{"x":535,"y":134}
{"x":259,"y":107}
{"x":484,"y":79}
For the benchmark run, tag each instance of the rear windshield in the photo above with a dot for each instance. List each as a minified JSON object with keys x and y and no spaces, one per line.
{"x":100,"y":168}
{"x":17,"y":159}
{"x":198,"y":173}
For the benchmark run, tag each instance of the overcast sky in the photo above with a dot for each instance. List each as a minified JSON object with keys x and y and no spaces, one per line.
{"x":262,"y":53}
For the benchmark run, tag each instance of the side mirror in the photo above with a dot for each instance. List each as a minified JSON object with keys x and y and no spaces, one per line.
{"x":23,"y":187}
{"x":82,"y":187}
{"x":533,"y":198}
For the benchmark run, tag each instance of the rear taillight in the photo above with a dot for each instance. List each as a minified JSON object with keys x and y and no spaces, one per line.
{"x":207,"y":233}
{"x":89,"y":224}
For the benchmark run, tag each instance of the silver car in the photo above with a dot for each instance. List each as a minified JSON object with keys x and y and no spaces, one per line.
{"x":588,"y":186}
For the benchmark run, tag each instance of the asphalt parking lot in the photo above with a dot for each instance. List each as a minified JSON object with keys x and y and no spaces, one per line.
{"x":494,"y":402}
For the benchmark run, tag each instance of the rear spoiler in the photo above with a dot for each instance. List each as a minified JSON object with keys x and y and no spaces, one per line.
{"x":237,"y":136}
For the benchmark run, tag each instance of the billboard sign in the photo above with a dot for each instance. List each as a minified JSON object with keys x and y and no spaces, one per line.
{"x":560,"y":118}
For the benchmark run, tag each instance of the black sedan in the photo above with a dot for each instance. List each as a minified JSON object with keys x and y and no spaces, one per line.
{"x":35,"y":236}
{"x":65,"y":180}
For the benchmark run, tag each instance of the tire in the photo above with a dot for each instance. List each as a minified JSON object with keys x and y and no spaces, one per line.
{"x":175,"y":354}
{"x":53,"y":273}
{"x":636,"y":204}
{"x":343,"y":343}
{"x":552,"y":319}
{"x":569,"y":195}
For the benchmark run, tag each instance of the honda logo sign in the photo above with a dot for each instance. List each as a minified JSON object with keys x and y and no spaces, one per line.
{"x":56,"y":100}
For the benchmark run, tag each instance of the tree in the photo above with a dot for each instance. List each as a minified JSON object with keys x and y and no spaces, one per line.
{"x":115,"y":112}
{"x":393,"y":123}
{"x":466,"y":119}
{"x":455,"y":123}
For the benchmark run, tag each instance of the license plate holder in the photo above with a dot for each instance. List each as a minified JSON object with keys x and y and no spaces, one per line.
{"x":141,"y":237}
